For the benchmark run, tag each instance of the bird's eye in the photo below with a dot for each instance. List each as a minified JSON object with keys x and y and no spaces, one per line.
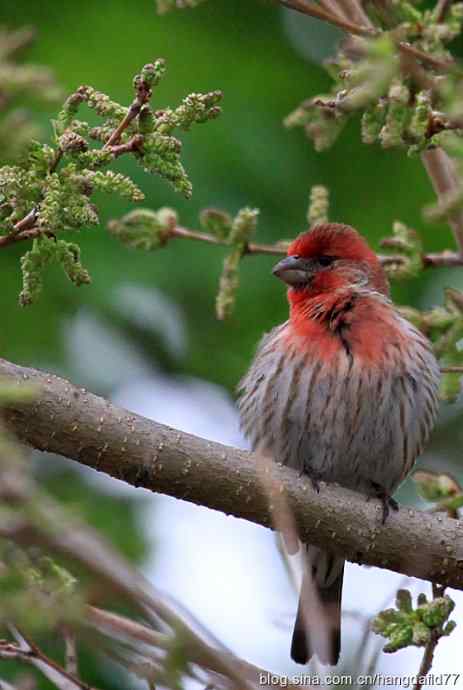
{"x":325,"y":260}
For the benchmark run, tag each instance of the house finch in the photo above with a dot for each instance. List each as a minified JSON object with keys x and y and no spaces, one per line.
{"x":344,"y":391}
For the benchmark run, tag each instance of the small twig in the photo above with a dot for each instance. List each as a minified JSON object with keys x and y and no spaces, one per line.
{"x":445,"y":258}
{"x":333,"y":7}
{"x":78,"y":542}
{"x":143,"y":94}
{"x":25,"y":230}
{"x":12,"y":238}
{"x":439,"y":166}
{"x":441,"y":171}
{"x":411,"y":67}
{"x":135,"y":144}
{"x":312,"y":10}
{"x":120,"y":627}
{"x":354,"y":9}
{"x":359,"y":659}
{"x":277,"y":249}
{"x":21,"y":228}
{"x":27,"y":651}
{"x":451,"y":370}
{"x":426,"y":662}
{"x":28,"y":221}
{"x":56,"y":160}
{"x":70,"y":651}
{"x":428,"y":656}
{"x":408,"y":48}
{"x":442,"y":9}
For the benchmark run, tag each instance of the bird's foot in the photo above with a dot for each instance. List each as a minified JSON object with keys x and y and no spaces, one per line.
{"x":314,"y":476}
{"x":388,"y":502}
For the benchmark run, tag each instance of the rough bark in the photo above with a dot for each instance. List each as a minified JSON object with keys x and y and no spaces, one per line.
{"x":72,"y":422}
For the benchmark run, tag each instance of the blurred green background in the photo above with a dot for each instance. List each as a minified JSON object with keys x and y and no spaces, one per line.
{"x":245,"y":157}
{"x":266,"y":62}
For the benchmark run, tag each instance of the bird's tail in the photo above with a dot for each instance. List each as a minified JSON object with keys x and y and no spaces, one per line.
{"x":317,"y":629}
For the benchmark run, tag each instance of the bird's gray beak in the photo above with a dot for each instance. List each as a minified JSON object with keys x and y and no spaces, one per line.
{"x":292,"y":270}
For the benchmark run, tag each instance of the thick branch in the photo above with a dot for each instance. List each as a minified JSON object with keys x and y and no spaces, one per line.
{"x":71,"y":421}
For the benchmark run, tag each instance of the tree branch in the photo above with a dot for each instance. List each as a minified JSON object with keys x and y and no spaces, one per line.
{"x":133,"y":632}
{"x":25,"y":650}
{"x":72,"y":422}
{"x":312,"y":10}
{"x":70,"y":650}
{"x":445,"y":258}
{"x":277,"y":249}
{"x":442,"y":9}
{"x":428,"y":656}
{"x":441,"y":171}
{"x":142,"y":96}
{"x":437,"y":163}
{"x":439,"y":259}
{"x":14,"y":236}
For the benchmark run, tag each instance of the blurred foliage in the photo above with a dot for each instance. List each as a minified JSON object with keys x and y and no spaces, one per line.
{"x":114,"y":516}
{"x":42,"y":594}
{"x":444,"y":326}
{"x":15,"y":80}
{"x":146,"y":229}
{"x":440,"y":489}
{"x":37,"y":593}
{"x":168,"y":5}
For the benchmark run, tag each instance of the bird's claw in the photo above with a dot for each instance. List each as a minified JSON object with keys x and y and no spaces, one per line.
{"x":388,"y":502}
{"x":315,"y":484}
{"x":314,"y":478}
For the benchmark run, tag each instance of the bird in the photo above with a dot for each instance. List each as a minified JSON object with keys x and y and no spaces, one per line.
{"x":344,"y":391}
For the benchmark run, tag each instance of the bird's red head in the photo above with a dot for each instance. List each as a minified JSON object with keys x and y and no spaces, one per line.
{"x":329,"y":257}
